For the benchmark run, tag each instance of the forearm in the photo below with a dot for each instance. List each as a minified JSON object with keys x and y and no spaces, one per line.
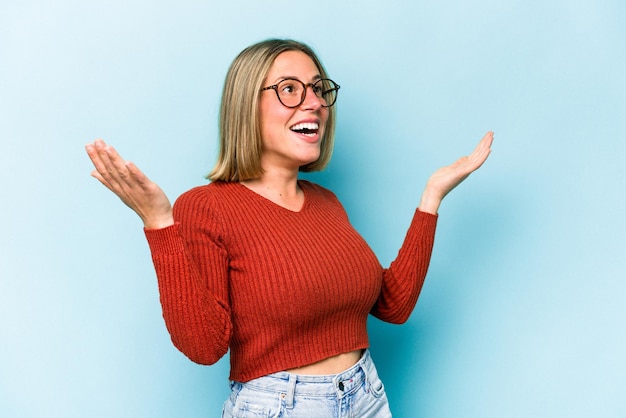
{"x":197,"y":320}
{"x":403,"y":280}
{"x":430,"y":201}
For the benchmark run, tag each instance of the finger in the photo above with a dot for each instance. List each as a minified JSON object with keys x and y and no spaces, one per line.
{"x":105,"y":160}
{"x":112,"y":168}
{"x":102,"y":180}
{"x":481,"y":152}
{"x":94,"y":156}
{"x":100,"y":162}
{"x":485,"y":143}
{"x":99,"y":165}
{"x":98,"y":156}
{"x":137,"y":175}
{"x":110,"y":157}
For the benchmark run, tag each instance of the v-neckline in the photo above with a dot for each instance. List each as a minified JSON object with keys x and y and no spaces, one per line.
{"x":278,"y":206}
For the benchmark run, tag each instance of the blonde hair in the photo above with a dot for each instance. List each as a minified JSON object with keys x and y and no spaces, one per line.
{"x":240,"y":144}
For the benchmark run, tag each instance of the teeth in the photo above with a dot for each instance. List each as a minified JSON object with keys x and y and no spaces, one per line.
{"x":305,"y":126}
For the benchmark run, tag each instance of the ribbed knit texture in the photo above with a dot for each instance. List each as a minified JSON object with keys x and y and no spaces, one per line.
{"x":281,"y":289}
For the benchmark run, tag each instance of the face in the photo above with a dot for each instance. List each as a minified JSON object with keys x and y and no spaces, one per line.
{"x":291,"y":136}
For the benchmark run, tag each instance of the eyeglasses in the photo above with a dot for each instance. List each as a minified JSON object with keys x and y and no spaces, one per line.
{"x":291,"y":92}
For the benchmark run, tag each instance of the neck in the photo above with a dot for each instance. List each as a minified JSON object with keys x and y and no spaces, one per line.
{"x":279,"y":187}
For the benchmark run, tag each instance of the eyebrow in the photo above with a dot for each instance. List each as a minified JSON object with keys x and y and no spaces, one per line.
{"x":284,"y":77}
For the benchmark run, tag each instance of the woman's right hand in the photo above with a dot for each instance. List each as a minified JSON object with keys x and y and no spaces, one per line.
{"x":136,"y":190}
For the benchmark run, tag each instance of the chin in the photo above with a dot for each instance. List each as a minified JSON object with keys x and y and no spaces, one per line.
{"x":311,"y":160}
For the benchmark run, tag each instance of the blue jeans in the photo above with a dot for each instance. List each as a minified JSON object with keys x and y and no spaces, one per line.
{"x":355,"y":393}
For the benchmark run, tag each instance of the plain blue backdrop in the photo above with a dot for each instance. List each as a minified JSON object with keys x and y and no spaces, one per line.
{"x":522,"y":313}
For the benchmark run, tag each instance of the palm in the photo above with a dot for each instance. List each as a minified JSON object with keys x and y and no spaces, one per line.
{"x":132,"y":186}
{"x":444,"y":180}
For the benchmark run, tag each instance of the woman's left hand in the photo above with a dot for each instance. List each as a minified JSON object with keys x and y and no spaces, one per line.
{"x":447,"y":178}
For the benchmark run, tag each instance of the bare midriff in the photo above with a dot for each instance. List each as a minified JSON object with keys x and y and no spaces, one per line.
{"x":331,"y":365}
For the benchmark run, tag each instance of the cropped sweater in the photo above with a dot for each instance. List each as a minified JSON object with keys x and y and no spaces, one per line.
{"x":281,"y":289}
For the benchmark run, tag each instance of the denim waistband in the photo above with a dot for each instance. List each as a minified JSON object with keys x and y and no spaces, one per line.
{"x":289,"y":385}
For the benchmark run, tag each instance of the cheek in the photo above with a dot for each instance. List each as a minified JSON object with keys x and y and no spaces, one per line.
{"x":325,"y":118}
{"x":271,"y":114}
{"x":271,"y":121}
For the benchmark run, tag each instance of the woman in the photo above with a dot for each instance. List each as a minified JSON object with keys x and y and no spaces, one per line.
{"x":267,"y":265}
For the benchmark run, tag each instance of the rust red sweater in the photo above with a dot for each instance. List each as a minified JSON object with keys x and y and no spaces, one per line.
{"x":282,"y":289}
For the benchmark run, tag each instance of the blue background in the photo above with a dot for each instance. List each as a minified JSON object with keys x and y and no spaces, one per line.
{"x":523,"y":311}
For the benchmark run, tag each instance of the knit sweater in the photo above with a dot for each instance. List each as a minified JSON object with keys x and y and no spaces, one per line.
{"x":281,"y":289}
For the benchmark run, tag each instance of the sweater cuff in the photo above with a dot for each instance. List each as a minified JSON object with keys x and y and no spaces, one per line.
{"x":165,"y":240}
{"x":426,"y":217}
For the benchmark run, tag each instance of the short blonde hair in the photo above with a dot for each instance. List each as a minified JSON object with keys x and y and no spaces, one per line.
{"x":241,"y":145}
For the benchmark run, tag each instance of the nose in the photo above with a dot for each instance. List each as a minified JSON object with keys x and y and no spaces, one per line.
{"x":311,"y":101}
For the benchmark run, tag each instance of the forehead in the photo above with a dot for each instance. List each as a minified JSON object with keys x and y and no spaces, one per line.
{"x":293,"y":64}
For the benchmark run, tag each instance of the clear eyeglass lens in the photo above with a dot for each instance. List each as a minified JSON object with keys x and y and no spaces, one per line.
{"x":292,"y":92}
{"x":326,"y":90}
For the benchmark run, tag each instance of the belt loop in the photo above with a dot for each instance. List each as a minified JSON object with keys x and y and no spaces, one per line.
{"x":235,"y":388}
{"x":291,"y":391}
{"x":365,"y":364}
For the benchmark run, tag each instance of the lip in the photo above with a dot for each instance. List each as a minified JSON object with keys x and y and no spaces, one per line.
{"x":308,"y":138}
{"x":309,"y":120}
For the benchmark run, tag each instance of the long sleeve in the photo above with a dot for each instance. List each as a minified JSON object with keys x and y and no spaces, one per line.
{"x":279,"y":289}
{"x":403,"y":280}
{"x":192,"y":272}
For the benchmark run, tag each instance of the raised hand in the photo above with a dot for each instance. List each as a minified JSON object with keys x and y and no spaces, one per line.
{"x":136,"y":190}
{"x":444,"y":180}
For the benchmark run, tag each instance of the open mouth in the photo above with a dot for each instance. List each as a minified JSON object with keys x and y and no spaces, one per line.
{"x":308,"y":129}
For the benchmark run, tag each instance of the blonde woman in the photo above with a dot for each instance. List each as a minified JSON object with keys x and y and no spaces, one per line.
{"x":266,"y":265}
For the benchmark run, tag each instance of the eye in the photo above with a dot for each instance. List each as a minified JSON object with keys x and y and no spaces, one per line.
{"x":288,"y":88}
{"x":318,"y":90}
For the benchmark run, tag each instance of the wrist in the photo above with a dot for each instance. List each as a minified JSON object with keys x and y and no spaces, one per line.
{"x":159,"y":222}
{"x":430,"y":202}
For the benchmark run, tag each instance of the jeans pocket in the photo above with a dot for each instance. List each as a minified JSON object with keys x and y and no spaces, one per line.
{"x":253,"y":404}
{"x":249,"y":409}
